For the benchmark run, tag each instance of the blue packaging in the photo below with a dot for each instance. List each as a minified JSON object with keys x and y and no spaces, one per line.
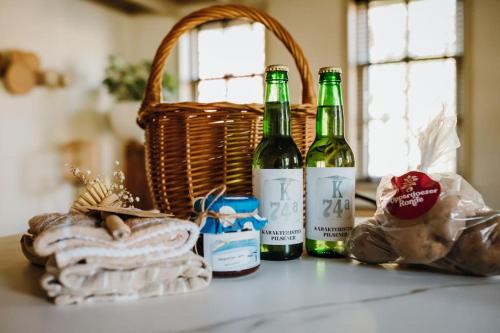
{"x":230,"y":227}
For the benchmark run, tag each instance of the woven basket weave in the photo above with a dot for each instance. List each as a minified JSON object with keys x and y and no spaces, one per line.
{"x":193,"y":147}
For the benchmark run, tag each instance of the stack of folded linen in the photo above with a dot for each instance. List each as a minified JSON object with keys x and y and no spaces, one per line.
{"x":84,"y":263}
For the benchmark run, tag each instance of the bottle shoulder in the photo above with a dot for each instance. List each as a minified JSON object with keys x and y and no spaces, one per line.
{"x":330,"y":152}
{"x":277,"y":153}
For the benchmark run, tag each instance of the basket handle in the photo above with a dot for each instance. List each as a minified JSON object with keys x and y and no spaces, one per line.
{"x":219,"y":12}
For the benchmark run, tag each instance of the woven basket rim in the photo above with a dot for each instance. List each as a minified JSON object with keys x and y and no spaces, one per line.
{"x":213,"y":107}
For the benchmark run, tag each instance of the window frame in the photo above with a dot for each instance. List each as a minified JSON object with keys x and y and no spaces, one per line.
{"x":361,"y":66}
{"x":189,"y":50}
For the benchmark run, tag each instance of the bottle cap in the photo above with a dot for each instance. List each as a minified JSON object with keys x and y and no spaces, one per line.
{"x":330,"y":69}
{"x":275,"y":68}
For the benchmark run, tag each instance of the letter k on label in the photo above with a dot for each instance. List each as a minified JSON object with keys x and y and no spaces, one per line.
{"x":284,"y":190}
{"x":336,"y":189}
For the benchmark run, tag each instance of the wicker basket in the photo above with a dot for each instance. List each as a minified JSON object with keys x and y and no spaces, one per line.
{"x":194,"y":147}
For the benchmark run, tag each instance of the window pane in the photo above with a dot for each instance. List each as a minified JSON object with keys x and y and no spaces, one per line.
{"x":387,"y":147}
{"x":391,"y":132}
{"x":211,"y":46}
{"x":432,"y":28}
{"x":211,"y":91}
{"x":387,"y":30}
{"x":230,"y":50}
{"x":401,"y":98}
{"x":386,"y":134}
{"x":245,"y":90}
{"x":387,"y":91}
{"x":245,"y":51}
{"x":432,"y":86}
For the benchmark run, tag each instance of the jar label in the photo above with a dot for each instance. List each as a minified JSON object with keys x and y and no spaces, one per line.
{"x":330,"y":203}
{"x":280,"y":192}
{"x":416,"y":193}
{"x":232,"y":251}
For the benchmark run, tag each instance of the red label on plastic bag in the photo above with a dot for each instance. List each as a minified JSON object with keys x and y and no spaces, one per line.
{"x":416,"y":194}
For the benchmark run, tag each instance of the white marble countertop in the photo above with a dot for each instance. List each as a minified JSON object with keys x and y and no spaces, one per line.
{"x":306,"y":295}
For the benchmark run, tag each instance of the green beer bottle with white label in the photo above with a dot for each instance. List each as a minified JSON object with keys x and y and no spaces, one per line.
{"x":330,"y":173}
{"x":277,"y":174}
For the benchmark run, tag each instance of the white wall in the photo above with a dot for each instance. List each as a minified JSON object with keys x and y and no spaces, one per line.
{"x":482,"y":113}
{"x":143,"y":36}
{"x":76,"y":37}
{"x":319,"y":27}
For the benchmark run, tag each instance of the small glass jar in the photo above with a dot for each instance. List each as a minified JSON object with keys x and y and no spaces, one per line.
{"x":229,"y":234}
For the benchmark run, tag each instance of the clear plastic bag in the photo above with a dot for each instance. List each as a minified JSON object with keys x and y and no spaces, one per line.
{"x":438,"y":219}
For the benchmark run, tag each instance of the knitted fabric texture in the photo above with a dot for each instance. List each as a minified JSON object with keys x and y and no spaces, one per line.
{"x":84,"y":264}
{"x":75,"y":237}
{"x":90,"y":283}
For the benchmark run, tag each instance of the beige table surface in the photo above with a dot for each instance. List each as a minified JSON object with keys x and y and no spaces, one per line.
{"x":306,"y":295}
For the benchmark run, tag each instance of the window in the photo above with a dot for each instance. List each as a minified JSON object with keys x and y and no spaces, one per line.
{"x":227,"y":62}
{"x":408,"y":55}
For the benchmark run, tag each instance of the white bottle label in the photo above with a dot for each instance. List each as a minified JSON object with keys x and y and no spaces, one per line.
{"x":330,"y":203}
{"x":280,"y":192}
{"x":232,"y":251}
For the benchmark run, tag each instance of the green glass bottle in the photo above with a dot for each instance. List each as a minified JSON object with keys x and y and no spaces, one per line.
{"x":277,"y":173}
{"x":330,"y":173}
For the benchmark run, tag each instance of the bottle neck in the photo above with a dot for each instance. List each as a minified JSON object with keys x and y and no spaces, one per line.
{"x":330,"y":115}
{"x":277,"y":115}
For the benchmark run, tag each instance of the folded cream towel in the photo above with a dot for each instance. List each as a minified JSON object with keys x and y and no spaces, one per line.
{"x":90,"y":282}
{"x":72,"y":238}
{"x":39,"y":223}
{"x":29,"y":252}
